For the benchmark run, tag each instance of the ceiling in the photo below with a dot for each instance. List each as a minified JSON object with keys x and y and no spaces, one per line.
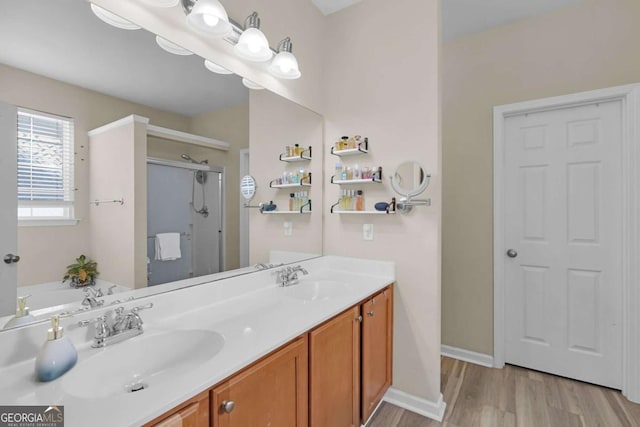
{"x":64,"y":40}
{"x":462,"y":17}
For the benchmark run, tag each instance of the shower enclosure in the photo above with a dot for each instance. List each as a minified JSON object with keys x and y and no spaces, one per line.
{"x":185,"y":198}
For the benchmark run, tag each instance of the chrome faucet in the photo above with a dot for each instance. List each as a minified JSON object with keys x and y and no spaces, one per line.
{"x":289,"y":275}
{"x":122,"y":327}
{"x":90,"y":297}
{"x":263,"y":266}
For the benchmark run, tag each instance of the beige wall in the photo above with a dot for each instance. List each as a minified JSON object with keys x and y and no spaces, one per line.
{"x":589,"y":46}
{"x":382,"y":82}
{"x":230,"y":125}
{"x":90,"y":110}
{"x":275,"y":123}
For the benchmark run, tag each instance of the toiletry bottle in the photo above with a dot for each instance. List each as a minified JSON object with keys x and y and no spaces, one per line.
{"x":22,"y":316}
{"x":359,"y":201}
{"x":366,"y":172}
{"x":292,"y":202}
{"x":57,"y":355}
{"x":351,"y":143}
{"x":343,"y":143}
{"x":338,"y":173}
{"x":357,"y":174}
{"x":349,"y":173}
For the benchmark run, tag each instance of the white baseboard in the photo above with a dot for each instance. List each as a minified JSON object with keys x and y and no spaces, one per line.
{"x":427,"y":408}
{"x":467,"y":356}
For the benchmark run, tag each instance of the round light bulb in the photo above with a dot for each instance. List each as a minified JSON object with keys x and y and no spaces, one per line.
{"x":285,"y":67}
{"x":210,"y":20}
{"x":253,"y":47}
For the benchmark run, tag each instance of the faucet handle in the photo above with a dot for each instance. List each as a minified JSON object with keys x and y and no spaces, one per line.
{"x":142,"y":307}
{"x":102,"y":328}
{"x":110,"y":289}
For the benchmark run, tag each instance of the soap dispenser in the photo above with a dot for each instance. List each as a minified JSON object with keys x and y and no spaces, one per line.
{"x":22,"y":316}
{"x":57,"y":355}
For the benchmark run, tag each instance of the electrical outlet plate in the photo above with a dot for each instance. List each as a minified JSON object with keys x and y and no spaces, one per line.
{"x":288,"y":228}
{"x":367,"y":231}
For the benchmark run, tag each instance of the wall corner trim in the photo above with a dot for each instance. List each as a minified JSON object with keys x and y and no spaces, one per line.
{"x":467,"y":356}
{"x":427,"y":408}
{"x":118,"y":123}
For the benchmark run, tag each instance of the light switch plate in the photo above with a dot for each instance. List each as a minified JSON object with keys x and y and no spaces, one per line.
{"x":367,"y":231}
{"x":288,"y":228}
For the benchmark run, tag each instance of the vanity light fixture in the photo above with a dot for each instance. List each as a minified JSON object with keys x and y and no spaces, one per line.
{"x":285,"y":64}
{"x":171,"y":47}
{"x":215,"y":68}
{"x":162,"y":3}
{"x":251,"y":85}
{"x":253,"y":44}
{"x":113,"y":19}
{"x":210,"y":17}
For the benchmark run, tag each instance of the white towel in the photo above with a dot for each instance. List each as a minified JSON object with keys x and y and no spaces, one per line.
{"x":168,"y":246}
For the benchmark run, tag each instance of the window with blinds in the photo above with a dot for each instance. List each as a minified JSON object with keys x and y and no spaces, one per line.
{"x":45,"y":166}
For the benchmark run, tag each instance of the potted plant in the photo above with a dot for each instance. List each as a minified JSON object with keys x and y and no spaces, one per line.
{"x":82,"y":273}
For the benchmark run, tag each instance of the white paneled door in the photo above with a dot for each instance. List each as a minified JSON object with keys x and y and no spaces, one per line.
{"x":8,"y":209}
{"x":563,"y":235}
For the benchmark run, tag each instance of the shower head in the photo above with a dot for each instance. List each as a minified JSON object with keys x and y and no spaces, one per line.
{"x":188,"y":157}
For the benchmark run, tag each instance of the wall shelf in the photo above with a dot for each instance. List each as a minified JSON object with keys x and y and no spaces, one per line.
{"x":335,"y":211}
{"x":272,"y":185}
{"x":362,"y":148}
{"x":390,"y":210}
{"x":305,"y":182}
{"x":302,"y":210}
{"x":305,"y":156}
{"x":376,"y":179}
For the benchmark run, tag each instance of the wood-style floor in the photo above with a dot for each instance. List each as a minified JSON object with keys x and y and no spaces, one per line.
{"x":513,"y":396}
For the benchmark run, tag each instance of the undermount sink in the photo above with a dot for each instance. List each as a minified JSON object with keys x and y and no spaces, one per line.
{"x":142,"y":362}
{"x":315,"y":290}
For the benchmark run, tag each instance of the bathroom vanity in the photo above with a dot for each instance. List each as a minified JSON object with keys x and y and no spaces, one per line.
{"x":333,"y":375}
{"x":239,"y":352}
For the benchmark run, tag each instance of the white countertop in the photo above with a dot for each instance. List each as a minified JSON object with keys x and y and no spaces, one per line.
{"x":252,"y":313}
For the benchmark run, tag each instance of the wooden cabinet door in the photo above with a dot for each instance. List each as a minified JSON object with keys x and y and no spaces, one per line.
{"x":377,"y":349}
{"x":334,"y":383}
{"x":192,"y":413}
{"x":273,"y":392}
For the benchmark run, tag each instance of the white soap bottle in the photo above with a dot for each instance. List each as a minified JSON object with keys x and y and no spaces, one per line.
{"x":22,"y":316}
{"x":57,"y":355}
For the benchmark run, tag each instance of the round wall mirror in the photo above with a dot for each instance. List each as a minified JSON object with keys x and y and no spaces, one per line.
{"x":410,"y":179}
{"x":248,"y":187}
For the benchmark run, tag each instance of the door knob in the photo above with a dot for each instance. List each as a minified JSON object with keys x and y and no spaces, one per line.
{"x":11,"y":258}
{"x":512,"y":253}
{"x":227,"y":406}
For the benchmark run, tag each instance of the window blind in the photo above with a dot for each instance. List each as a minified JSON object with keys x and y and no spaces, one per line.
{"x":45,"y":159}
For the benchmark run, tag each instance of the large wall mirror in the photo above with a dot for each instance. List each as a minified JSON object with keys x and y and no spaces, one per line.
{"x":160,"y":146}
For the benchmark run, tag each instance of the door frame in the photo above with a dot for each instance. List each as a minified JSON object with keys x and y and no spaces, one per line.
{"x":629,"y":96}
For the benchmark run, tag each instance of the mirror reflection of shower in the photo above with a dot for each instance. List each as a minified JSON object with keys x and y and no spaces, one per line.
{"x":201,"y":178}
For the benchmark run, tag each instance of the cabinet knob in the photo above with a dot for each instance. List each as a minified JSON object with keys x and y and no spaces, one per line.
{"x":370,"y":313}
{"x":228,"y":406}
{"x":359,"y":319}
